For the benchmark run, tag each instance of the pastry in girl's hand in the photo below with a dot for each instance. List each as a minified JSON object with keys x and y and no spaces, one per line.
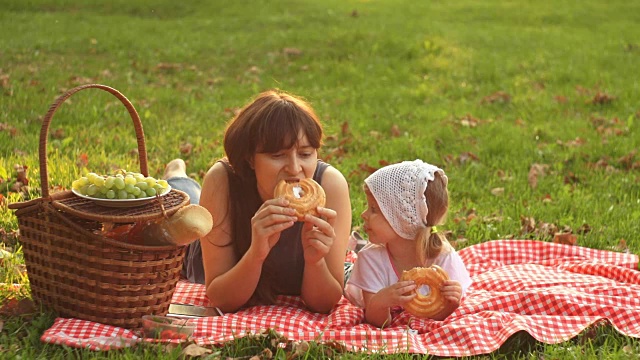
{"x":426,"y":306}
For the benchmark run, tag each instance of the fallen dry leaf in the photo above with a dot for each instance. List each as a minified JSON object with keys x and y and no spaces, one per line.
{"x":565,"y":238}
{"x":267,"y":354}
{"x":58,"y":133}
{"x":292,"y":51}
{"x":254,"y":70}
{"x":502,"y":175}
{"x":8,"y":128}
{"x":186,"y":148}
{"x":467,"y":157}
{"x":366,"y":168}
{"x":583,"y":229}
{"x":582,"y":90}
{"x":548,"y":229}
{"x":612,"y":127}
{"x":457,"y":243}
{"x":622,"y":246}
{"x":194,"y":350}
{"x":571,"y":178}
{"x":83,"y":160}
{"x":168,"y":66}
{"x":560,"y":99}
{"x":469,"y":121}
{"x":528,"y":224}
{"x":4,"y":81}
{"x":499,"y":96}
{"x":627,"y":161}
{"x":395,"y":131}
{"x":601,"y":98}
{"x":571,"y":143}
{"x":344,"y":129}
{"x":499,"y":191}
{"x":300,"y":348}
{"x":14,"y":307}
{"x":21,"y":171}
{"x":536,"y":171}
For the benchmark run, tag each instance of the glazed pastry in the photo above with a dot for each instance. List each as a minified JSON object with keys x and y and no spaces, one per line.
{"x":304,"y":196}
{"x":426,"y":306}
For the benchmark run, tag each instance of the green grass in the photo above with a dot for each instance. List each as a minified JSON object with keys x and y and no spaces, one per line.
{"x":427,"y":68}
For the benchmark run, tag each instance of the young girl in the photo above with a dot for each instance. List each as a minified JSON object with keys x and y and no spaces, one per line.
{"x":405,"y":203}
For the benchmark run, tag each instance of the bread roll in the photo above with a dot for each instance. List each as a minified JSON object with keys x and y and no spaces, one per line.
{"x":185,"y":226}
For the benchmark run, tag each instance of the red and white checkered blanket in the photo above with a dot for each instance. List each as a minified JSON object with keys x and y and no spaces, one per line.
{"x":549,"y":290}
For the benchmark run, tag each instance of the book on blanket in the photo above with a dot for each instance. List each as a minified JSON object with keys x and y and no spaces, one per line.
{"x":186,"y":310}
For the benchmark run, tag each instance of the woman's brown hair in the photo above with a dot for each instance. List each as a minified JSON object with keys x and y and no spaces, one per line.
{"x":273,"y":121}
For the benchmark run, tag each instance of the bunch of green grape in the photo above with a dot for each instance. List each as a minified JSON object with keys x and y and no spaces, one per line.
{"x":122,"y":185}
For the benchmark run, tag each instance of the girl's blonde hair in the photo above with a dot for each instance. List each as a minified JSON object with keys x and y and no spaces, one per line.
{"x":430,"y":244}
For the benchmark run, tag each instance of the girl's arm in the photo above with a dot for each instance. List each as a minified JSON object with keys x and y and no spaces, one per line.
{"x":377,"y":310}
{"x":323,"y":278}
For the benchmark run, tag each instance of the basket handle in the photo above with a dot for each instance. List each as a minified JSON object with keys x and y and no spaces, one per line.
{"x":142,"y":149}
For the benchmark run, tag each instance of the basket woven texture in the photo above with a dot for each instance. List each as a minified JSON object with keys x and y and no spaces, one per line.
{"x":78,"y":273}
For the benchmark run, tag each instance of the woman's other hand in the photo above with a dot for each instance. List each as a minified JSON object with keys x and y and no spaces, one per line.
{"x":318,"y":235}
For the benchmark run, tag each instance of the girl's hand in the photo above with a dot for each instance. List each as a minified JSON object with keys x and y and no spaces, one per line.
{"x":452,"y":292}
{"x":397,"y":294}
{"x":318,"y":235}
{"x":269,"y":221}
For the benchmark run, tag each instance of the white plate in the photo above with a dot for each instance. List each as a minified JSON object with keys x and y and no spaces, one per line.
{"x":120,"y":203}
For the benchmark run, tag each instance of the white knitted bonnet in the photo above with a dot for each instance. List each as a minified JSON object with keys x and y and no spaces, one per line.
{"x":399,"y":190}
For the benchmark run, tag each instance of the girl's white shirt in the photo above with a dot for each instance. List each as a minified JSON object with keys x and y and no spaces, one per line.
{"x":374,"y":271}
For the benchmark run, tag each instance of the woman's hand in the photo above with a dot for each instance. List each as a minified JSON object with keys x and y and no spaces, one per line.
{"x":318,"y":235}
{"x":269,"y":221}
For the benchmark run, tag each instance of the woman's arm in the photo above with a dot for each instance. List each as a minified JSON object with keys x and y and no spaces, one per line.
{"x":323,"y":278}
{"x":223,"y":271}
{"x":230,"y":282}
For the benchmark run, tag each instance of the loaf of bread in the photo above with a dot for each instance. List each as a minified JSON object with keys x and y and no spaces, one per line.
{"x":189,"y":223}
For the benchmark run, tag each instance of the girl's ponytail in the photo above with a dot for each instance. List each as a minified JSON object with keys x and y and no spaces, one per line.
{"x":431,"y":243}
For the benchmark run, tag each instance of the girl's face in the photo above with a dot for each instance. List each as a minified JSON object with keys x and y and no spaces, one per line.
{"x":376,"y":225}
{"x":295,"y":163}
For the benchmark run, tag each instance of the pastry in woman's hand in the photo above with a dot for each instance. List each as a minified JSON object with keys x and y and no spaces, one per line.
{"x":304,"y":196}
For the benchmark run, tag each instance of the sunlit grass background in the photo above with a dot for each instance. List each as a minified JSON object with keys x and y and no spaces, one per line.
{"x":530,"y":107}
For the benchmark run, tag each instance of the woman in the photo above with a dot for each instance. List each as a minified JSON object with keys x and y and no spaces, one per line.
{"x":256,"y":249}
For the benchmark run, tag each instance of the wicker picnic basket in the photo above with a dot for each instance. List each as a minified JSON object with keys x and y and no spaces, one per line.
{"x":79,"y":273}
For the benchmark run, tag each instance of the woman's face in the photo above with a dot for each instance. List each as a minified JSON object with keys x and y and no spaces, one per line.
{"x":295,"y":163}
{"x":376,"y":225}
